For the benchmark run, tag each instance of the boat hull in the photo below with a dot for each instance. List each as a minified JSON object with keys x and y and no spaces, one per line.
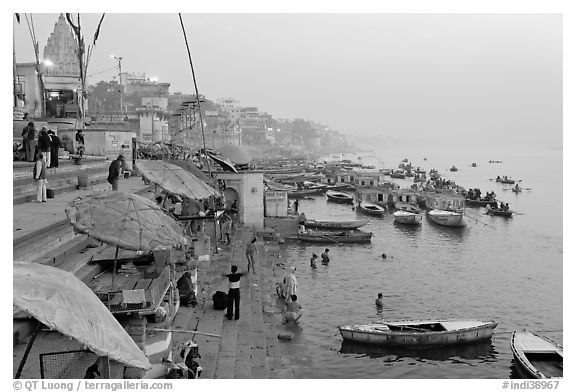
{"x":477,"y":203}
{"x":505,"y":214}
{"x":335,"y":225}
{"x":383,"y":337}
{"x":332,"y":238}
{"x":447,"y":218}
{"x":338,"y":197}
{"x":407,"y":218}
{"x":372,"y":209}
{"x":536,"y":356}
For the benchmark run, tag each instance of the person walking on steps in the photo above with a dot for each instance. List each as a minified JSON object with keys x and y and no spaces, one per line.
{"x":39,"y":173}
{"x":233,"y":293}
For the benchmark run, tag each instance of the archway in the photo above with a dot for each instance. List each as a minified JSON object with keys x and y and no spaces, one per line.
{"x":231,"y":196}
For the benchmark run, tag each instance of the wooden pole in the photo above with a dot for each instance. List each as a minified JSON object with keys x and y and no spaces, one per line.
{"x":28,"y":348}
{"x":114,"y":268}
{"x":183,"y":331}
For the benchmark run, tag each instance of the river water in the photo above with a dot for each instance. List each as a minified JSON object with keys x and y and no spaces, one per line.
{"x":508,"y":270}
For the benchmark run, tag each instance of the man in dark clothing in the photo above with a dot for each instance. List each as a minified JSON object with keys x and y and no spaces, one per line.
{"x":28,"y":135}
{"x":233,"y":293}
{"x":114,"y":172}
{"x":44,"y":144}
{"x":54,"y":148}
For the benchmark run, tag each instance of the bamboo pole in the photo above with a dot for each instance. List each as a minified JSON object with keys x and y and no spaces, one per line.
{"x":183,"y":331}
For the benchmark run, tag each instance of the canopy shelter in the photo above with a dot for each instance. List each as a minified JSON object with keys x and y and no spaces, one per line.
{"x":62,"y":302}
{"x":224,"y":163}
{"x":236,"y":154}
{"x":125,"y":220}
{"x":176,"y":179}
{"x":192,"y":168}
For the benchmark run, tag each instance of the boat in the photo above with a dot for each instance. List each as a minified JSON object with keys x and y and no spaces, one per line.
{"x":536,"y":356}
{"x":453,"y":168}
{"x":302,"y":193}
{"x":407,"y":217}
{"x":477,"y":203}
{"x":339,"y":197}
{"x":491,"y":161}
{"x":338,"y":237}
{"x":397,"y":174}
{"x":505,"y":180}
{"x":371,"y":208}
{"x":516,"y":189}
{"x":419,"y":333}
{"x":446,"y":208}
{"x":447,"y":218}
{"x":498,"y":212}
{"x":335,"y":225}
{"x":474,"y":164}
{"x":341,"y":187}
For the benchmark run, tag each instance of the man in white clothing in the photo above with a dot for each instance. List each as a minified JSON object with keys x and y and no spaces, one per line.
{"x":39,"y":173}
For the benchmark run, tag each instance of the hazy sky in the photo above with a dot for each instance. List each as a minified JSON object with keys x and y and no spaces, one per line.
{"x":434,"y":76}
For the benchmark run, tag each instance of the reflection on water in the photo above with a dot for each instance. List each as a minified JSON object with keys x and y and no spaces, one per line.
{"x":480,"y":351}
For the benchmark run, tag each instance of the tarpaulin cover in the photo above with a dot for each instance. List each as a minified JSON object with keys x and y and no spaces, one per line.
{"x":224,"y":163}
{"x":192,"y":168}
{"x":175,"y":179}
{"x":125,"y":220}
{"x":64,"y":303}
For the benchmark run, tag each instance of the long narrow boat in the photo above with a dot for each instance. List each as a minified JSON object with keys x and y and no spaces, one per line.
{"x":335,"y":225}
{"x":537,"y":356}
{"x":447,"y":218}
{"x":477,"y":203}
{"x":340,"y":237}
{"x":339,"y":197}
{"x":371,"y":209}
{"x":302,"y":193}
{"x":419,"y":333}
{"x":505,"y":180}
{"x":407,"y":217}
{"x":494,"y":212}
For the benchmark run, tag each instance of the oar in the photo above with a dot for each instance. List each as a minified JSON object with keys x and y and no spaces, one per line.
{"x":479,"y":221}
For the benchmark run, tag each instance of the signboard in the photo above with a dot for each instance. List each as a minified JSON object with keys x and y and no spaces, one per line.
{"x":276,"y":203}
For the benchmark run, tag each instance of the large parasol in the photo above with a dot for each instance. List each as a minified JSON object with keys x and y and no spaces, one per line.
{"x":175,"y":179}
{"x":237,"y":154}
{"x":64,"y":303}
{"x":126,"y":221}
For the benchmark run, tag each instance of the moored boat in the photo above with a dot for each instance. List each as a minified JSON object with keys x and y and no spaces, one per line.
{"x":453,"y":168}
{"x":447,"y":218}
{"x":371,"y":209}
{"x":335,"y":225}
{"x":338,"y":237}
{"x":407,"y":217}
{"x":477,"y":203}
{"x":419,"y":333}
{"x":397,"y":174}
{"x":302,"y":193}
{"x":537,"y":356}
{"x":339,"y":197}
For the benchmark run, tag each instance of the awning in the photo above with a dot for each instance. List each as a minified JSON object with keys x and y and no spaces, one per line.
{"x":175,"y":179}
{"x":224,"y":163}
{"x":62,"y":302}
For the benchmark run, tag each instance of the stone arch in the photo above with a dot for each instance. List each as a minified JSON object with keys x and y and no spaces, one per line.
{"x":231,"y":195}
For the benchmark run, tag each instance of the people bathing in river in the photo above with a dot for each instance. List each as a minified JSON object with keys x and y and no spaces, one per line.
{"x":380,"y":300}
{"x":324,"y":256}
{"x":293,"y":310}
{"x":313,"y":260}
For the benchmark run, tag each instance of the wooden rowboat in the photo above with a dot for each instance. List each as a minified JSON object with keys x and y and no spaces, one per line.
{"x":494,"y":212}
{"x":536,"y":356}
{"x":407,"y":217}
{"x":335,"y":225}
{"x":340,"y":237}
{"x":477,"y":203}
{"x":339,"y":197}
{"x":447,"y":218}
{"x":371,"y":209}
{"x":419,"y":333}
